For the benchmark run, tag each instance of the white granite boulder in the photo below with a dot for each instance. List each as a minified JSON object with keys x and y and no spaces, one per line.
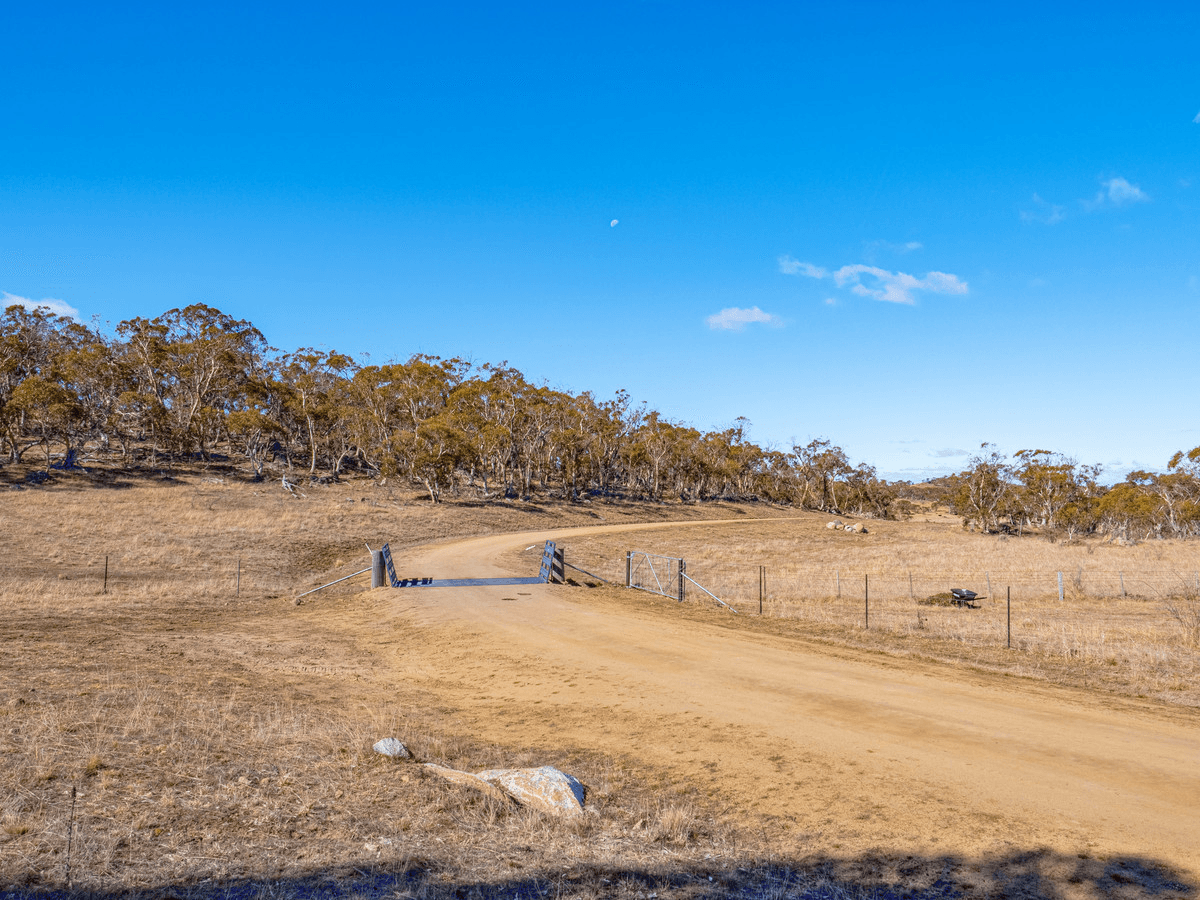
{"x":468,"y":780}
{"x":392,"y":747}
{"x":546,"y":789}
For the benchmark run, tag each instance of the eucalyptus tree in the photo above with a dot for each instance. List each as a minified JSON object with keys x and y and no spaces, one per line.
{"x":312,"y":408}
{"x":821,"y":463}
{"x":864,"y":494}
{"x":981,"y":492}
{"x":90,"y":365}
{"x":1181,"y":491}
{"x":189,"y":369}
{"x":33,"y":345}
{"x":612,"y":422}
{"x":50,"y":410}
{"x":1130,"y":511}
{"x":481,"y":411}
{"x":569,"y":440}
{"x":1056,"y":491}
{"x":653,"y":445}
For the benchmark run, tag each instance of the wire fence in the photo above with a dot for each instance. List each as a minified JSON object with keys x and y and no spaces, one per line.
{"x":1116,"y":617}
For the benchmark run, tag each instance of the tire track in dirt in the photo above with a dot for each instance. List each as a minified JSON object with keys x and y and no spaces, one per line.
{"x":857,"y":752}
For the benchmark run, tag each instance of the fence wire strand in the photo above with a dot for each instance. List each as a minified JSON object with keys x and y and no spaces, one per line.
{"x":1107,"y":616}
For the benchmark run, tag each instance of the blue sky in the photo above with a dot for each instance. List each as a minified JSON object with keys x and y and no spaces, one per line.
{"x":910,"y":228}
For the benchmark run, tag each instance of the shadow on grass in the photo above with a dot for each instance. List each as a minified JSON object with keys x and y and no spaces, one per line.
{"x":1022,"y":874}
{"x":81,"y":477}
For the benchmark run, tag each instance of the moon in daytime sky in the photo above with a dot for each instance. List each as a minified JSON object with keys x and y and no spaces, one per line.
{"x":613,"y":223}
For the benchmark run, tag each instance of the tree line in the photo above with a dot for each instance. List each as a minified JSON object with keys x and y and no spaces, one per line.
{"x":1056,"y":494}
{"x":195,"y":382}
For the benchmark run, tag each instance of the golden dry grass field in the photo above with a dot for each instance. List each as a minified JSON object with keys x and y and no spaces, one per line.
{"x":218,"y":742}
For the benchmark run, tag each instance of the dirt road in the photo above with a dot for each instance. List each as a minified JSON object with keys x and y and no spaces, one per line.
{"x":855,"y":750}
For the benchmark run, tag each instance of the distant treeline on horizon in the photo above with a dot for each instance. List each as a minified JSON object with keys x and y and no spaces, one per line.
{"x":195,"y":381}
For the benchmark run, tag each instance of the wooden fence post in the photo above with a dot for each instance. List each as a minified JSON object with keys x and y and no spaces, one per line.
{"x":378,"y":572}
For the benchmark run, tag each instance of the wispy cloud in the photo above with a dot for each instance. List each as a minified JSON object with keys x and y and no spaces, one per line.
{"x":1043,"y":212}
{"x":735,"y":319}
{"x":58,"y":307}
{"x":790,"y":266}
{"x":948,"y":453}
{"x":1197,"y":119}
{"x":872,"y":249}
{"x":872,"y":281}
{"x":1114,"y":193}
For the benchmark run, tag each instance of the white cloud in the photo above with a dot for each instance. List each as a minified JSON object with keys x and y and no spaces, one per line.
{"x":872,"y":281}
{"x":948,"y":453}
{"x":895,"y":287}
{"x":790,"y":266}
{"x":735,"y":319}
{"x":1197,"y":119}
{"x":58,"y":307}
{"x":1117,"y":192}
{"x":1121,"y":192}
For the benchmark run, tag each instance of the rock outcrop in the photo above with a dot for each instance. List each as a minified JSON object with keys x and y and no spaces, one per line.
{"x":545,"y":788}
{"x":469,"y":780}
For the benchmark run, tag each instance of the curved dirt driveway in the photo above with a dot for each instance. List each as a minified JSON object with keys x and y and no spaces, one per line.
{"x":858,"y":751}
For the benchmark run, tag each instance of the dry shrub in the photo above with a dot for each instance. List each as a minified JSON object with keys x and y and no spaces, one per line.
{"x":942,"y":598}
{"x":1184,"y":607}
{"x":671,"y":822}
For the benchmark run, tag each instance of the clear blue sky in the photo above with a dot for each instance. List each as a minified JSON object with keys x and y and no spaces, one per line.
{"x":910,"y":228}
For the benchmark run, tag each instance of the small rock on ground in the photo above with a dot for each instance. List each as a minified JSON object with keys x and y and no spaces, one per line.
{"x":392,"y":747}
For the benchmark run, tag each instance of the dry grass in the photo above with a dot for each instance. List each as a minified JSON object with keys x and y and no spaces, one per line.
{"x":1141,"y":642}
{"x":219,"y":742}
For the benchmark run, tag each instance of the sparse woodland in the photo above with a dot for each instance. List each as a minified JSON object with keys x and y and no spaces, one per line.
{"x":195,"y":383}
